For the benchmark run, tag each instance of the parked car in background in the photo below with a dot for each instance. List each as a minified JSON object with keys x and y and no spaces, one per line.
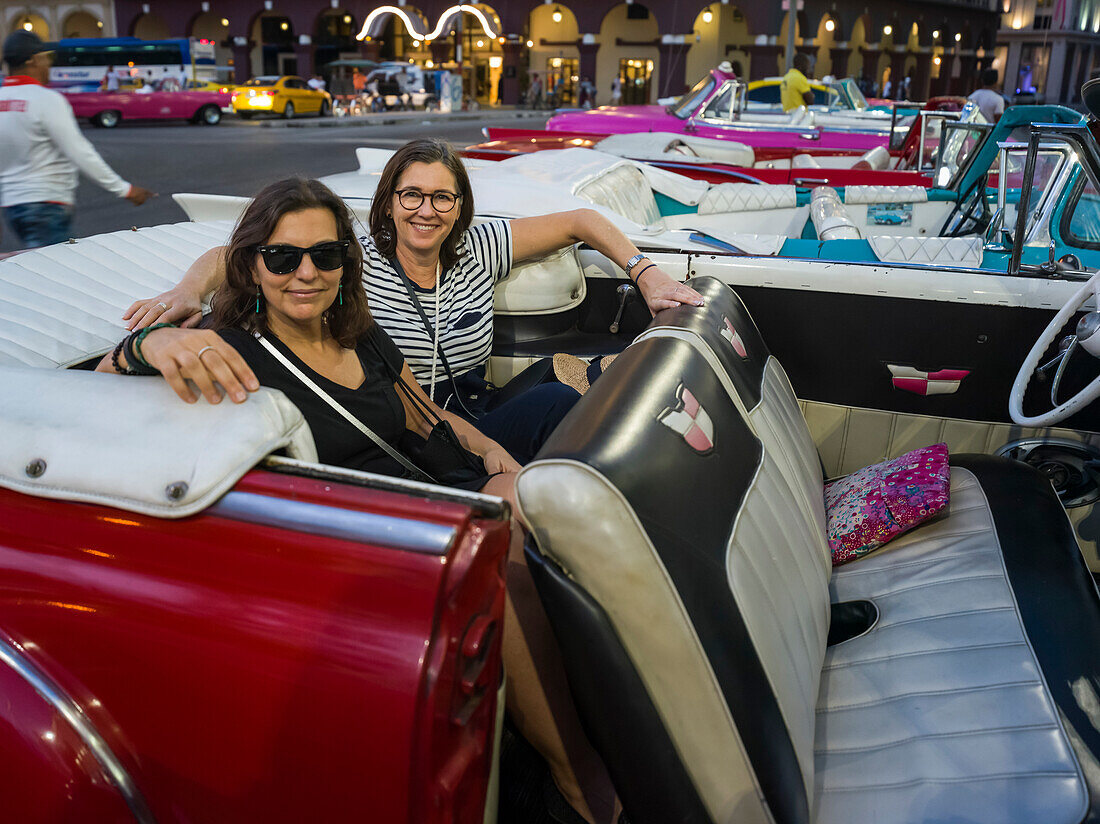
{"x":288,"y":96}
{"x":108,"y":109}
{"x":399,"y":86}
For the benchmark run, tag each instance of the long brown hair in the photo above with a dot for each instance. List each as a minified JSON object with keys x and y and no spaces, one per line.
{"x":234,"y":303}
{"x":422,"y":150}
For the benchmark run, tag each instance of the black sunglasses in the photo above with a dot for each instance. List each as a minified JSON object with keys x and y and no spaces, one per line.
{"x":282,"y":259}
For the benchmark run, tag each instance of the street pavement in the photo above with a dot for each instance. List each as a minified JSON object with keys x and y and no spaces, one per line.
{"x":238,"y":158}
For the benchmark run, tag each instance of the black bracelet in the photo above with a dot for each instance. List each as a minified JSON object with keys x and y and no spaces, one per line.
{"x":645,"y":269}
{"x":122,"y":370}
{"x":132,"y":360}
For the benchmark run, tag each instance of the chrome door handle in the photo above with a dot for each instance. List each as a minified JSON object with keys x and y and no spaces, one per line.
{"x":625,"y":292}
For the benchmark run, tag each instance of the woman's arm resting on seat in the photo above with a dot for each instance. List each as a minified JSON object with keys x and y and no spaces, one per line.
{"x":183,"y":301}
{"x":495,"y":456}
{"x":534,"y":237}
{"x":175,"y":353}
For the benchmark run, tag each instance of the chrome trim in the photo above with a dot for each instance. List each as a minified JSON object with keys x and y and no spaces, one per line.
{"x":16,"y":658}
{"x":487,"y":505}
{"x":334,"y":522}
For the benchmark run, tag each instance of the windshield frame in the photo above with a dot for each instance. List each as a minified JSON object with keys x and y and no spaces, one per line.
{"x":690,"y":101}
{"x":951,"y":162}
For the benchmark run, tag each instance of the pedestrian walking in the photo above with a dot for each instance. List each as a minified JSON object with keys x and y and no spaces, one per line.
{"x":616,"y":91}
{"x":588,"y":93}
{"x":988,"y":99}
{"x":42,"y":149}
{"x":110,"y":80}
{"x":534,"y":92}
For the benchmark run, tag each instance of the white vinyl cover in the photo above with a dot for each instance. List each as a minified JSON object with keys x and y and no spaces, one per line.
{"x":672,"y":146}
{"x":940,"y":712}
{"x":885,"y":194}
{"x":131,"y":443}
{"x":747,"y":197}
{"x":941,"y":251}
{"x":550,"y":284}
{"x":686,"y":190}
{"x":622,"y":188}
{"x":63,"y":304}
{"x":831,"y":220}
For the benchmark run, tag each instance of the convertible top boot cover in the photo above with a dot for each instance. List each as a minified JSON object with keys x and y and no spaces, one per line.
{"x":132,"y":443}
{"x":689,"y":591}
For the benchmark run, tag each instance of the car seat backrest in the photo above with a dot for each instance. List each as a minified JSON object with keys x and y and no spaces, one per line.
{"x":623,"y":189}
{"x":685,"y":577}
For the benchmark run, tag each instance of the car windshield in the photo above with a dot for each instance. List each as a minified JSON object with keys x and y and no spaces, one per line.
{"x":957,"y":142}
{"x":262,"y":81}
{"x":687,"y":104}
{"x":847,"y":95}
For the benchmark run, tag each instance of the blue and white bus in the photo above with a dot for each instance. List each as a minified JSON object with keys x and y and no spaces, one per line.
{"x":80,"y":63}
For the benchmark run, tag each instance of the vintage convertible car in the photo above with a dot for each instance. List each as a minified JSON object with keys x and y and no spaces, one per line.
{"x":715,"y":107}
{"x":710,"y":159}
{"x":186,"y":637}
{"x":108,"y":109}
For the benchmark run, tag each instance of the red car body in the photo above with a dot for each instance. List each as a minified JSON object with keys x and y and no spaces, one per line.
{"x":504,"y":143}
{"x":107,"y":108}
{"x":276,"y":657}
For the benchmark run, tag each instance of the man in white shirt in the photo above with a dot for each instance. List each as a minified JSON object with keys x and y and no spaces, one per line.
{"x":988,"y":99}
{"x":42,"y":149}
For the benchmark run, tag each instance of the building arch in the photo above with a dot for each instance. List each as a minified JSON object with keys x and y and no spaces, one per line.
{"x":215,"y":28}
{"x":30,"y":21}
{"x":149,"y":26}
{"x":334,"y":32}
{"x":81,"y":23}
{"x":272,"y":36}
{"x":724,"y":36}
{"x":555,"y":35}
{"x":629,"y":34}
{"x":828,"y":35}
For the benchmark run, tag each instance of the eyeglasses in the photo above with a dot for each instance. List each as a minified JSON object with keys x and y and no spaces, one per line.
{"x":442,"y":200}
{"x":282,"y":259}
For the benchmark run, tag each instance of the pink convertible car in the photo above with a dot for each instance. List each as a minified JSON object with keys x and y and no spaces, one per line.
{"x":714,"y":108}
{"x":108,"y":109}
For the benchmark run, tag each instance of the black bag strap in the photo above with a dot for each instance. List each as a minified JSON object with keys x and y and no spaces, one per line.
{"x":427,"y":412}
{"x":431,"y":333}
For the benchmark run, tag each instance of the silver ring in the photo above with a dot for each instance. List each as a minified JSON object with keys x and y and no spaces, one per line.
{"x":162,"y":303}
{"x":199,"y":355}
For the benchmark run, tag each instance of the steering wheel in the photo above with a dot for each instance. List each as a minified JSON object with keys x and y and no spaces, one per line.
{"x":1088,"y":340}
{"x":967,"y":217}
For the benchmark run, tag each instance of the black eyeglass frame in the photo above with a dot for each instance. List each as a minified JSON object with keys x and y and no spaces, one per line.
{"x":420,"y":196}
{"x":296,"y":252}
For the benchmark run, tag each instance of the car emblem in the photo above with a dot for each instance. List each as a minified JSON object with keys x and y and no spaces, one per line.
{"x":690,"y":420}
{"x":730,"y":334}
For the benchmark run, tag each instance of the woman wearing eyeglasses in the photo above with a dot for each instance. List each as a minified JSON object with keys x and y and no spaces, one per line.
{"x":439,"y":312}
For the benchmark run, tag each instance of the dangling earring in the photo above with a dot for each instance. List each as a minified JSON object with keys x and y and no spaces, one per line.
{"x":257,"y":300}
{"x":340,"y":294}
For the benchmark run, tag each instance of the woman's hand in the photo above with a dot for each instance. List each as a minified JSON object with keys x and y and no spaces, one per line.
{"x":178,"y":305}
{"x":201,"y":356}
{"x":661,"y":291}
{"x":498,"y":460}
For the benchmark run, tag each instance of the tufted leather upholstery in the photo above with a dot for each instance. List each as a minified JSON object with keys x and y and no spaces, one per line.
{"x":939,"y":712}
{"x":885,"y":194}
{"x":747,"y":197}
{"x":623,"y":189}
{"x":942,"y":251}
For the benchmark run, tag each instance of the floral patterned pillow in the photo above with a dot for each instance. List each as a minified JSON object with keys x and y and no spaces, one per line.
{"x":876,"y":504}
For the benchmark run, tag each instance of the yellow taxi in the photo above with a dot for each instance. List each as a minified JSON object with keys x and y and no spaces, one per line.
{"x":210,"y":86}
{"x":288,"y":96}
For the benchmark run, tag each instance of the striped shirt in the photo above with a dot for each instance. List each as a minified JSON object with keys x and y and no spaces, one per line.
{"x":465,"y":296}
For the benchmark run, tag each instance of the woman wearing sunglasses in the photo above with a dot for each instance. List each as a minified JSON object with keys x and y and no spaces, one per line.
{"x":429,"y":275}
{"x":290,"y":314}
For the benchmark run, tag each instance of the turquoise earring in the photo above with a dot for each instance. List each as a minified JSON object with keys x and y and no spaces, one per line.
{"x":340,"y":294}
{"x":257,"y":300}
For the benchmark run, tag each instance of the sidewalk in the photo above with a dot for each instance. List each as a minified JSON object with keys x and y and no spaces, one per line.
{"x":393,"y":118}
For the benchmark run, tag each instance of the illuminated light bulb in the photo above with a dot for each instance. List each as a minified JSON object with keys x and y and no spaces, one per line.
{"x":225,"y":21}
{"x":500,"y":39}
{"x":284,"y":25}
{"x":936,"y":60}
{"x":481,"y":44}
{"x":936,"y":34}
{"x":887,"y":30}
{"x":28,"y":26}
{"x":429,"y":64}
{"x":99,"y":24}
{"x":958,"y":37}
{"x":416,"y":44}
{"x":829,"y":25}
{"x":708,"y":15}
{"x":347,"y":18}
{"x":530,"y":44}
{"x":556,"y":16}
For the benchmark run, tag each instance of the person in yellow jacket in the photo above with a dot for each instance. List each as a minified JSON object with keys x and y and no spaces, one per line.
{"x":794,"y":90}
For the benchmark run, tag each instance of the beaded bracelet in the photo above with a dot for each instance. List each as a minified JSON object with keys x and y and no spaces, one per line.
{"x":132,"y":350}
{"x":122,"y":370}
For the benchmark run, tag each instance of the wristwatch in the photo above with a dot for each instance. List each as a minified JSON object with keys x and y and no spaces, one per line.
{"x":634,"y":261}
